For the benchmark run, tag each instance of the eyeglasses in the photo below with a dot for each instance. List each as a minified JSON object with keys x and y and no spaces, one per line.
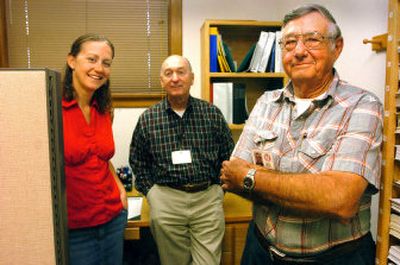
{"x":311,"y":40}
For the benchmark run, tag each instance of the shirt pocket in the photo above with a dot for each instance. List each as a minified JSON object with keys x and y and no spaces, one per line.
{"x":314,"y":151}
{"x":265,"y":137}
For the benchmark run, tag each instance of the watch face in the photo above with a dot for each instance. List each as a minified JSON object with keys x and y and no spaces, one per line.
{"x":248,"y":183}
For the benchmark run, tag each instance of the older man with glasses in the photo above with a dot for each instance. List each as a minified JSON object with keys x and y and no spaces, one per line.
{"x":319,"y":139}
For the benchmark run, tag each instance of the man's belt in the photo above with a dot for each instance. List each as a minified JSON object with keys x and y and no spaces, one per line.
{"x":196,"y":187}
{"x":324,"y":257}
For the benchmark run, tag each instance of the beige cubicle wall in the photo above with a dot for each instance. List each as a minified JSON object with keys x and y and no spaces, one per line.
{"x":32,"y":201}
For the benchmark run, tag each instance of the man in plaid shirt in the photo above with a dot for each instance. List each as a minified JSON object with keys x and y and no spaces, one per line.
{"x":309,"y":155}
{"x":176,"y":153}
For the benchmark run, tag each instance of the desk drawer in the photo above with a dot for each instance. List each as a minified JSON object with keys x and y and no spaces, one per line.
{"x":132,"y":233}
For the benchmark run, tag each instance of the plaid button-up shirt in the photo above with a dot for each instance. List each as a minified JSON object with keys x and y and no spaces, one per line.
{"x":341,"y":131}
{"x":160,"y":131}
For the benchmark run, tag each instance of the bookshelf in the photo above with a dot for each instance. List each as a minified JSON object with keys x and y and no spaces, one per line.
{"x":239,"y":35}
{"x":390,"y":166}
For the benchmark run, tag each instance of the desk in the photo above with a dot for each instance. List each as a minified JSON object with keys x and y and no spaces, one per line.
{"x":237,"y":216}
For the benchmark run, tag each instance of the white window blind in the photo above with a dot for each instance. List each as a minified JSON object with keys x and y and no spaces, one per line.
{"x":40,"y":33}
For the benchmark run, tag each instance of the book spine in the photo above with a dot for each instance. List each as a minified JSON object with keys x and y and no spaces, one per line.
{"x":240,"y":114}
{"x":271,"y":61}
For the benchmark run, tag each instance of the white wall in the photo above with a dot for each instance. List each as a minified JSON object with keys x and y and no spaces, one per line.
{"x":358,"y":64}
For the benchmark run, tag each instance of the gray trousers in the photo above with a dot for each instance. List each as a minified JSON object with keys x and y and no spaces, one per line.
{"x":187,"y":227}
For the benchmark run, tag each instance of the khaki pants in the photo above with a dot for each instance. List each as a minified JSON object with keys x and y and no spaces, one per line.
{"x":187,"y":227}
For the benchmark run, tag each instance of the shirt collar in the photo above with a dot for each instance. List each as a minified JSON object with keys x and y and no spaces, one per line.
{"x":166,"y":106}
{"x":287,"y":92}
{"x":70,"y":104}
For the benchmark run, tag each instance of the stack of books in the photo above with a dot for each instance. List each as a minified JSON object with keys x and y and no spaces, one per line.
{"x":394,"y":230}
{"x":397,"y":153}
{"x":395,"y":204}
{"x":394,"y":226}
{"x":394,"y":254}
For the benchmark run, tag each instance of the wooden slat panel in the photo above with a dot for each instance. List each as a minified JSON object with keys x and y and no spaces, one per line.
{"x":390,"y":169}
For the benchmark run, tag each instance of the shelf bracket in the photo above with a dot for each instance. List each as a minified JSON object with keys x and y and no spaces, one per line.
{"x":379,"y":42}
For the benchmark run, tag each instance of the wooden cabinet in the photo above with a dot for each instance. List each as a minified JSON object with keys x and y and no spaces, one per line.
{"x":237,"y":216}
{"x":391,"y":166}
{"x":233,"y":244}
{"x":239,"y":35}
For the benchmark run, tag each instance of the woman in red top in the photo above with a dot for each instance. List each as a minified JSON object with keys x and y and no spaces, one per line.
{"x":96,"y":199}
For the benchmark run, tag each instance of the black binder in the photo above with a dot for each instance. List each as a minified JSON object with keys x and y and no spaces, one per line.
{"x":240,"y":113}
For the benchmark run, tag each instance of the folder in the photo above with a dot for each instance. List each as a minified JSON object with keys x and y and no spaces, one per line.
{"x":258,"y":52}
{"x":271,"y":61}
{"x":245,"y":64}
{"x":223,"y":63}
{"x":278,"y":53}
{"x":229,"y":58}
{"x":266,"y":53}
{"x":223,"y":99}
{"x":213,"y":49}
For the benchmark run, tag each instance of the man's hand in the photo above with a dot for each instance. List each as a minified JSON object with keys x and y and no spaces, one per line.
{"x":232,"y":174}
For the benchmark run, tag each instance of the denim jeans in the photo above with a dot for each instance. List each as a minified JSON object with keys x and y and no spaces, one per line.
{"x":255,"y":254}
{"x":99,"y":245}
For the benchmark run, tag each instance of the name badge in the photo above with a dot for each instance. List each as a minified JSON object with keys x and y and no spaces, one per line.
{"x":181,"y":157}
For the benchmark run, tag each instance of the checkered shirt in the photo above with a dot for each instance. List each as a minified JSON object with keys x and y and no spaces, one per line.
{"x":341,"y":131}
{"x":160,"y":131}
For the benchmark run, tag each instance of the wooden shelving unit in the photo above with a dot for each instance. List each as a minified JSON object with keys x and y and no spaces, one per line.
{"x":239,"y":35}
{"x":391,"y":167}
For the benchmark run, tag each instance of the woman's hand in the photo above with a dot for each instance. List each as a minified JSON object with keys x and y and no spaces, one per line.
{"x":121,"y":188}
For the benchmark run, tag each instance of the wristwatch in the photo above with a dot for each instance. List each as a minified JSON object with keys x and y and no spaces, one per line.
{"x":248,"y":181}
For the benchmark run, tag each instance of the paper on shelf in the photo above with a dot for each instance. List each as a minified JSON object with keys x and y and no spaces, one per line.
{"x":134,"y":207}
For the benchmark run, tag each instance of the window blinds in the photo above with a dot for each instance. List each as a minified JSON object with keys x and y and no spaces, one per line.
{"x":40,"y":34}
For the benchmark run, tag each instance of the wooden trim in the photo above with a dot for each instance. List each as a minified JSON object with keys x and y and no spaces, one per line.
{"x":248,"y":75}
{"x":242,"y":23}
{"x":3,"y":35}
{"x":135,"y":100}
{"x":175,"y":27}
{"x":390,"y":169}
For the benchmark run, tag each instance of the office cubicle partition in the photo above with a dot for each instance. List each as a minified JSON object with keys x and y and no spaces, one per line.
{"x":33,"y":218}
